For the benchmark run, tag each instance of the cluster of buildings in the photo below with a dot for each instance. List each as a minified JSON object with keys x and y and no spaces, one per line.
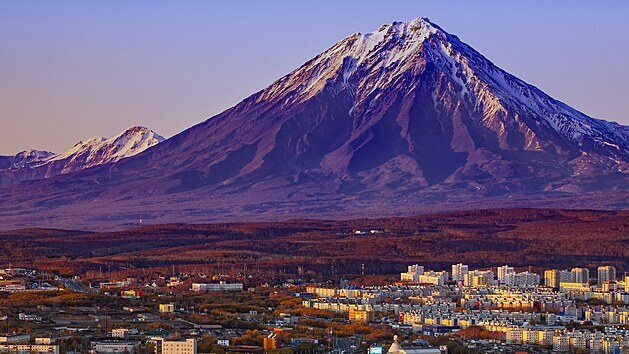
{"x":29,"y":348}
{"x":162,"y":346}
{"x":554,"y":277}
{"x":502,"y":320}
{"x":22,"y":343}
{"x":21,"y":279}
{"x":576,"y":282}
{"x":120,"y":342}
{"x":522,"y":306}
{"x":462,"y":275}
{"x":417,"y":274}
{"x":564,"y":340}
{"x":222,"y":286}
{"x":505,"y":275}
{"x":202,"y":287}
{"x":175,"y":281}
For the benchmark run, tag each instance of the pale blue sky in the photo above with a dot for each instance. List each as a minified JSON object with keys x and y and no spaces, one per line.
{"x":74,"y":69}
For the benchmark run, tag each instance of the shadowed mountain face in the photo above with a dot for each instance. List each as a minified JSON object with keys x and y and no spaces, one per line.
{"x":404,"y":119}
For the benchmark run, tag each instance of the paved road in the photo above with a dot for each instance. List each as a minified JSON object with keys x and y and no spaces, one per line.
{"x":74,"y":285}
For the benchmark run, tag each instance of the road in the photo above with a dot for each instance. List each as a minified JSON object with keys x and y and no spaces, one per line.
{"x":73,"y":285}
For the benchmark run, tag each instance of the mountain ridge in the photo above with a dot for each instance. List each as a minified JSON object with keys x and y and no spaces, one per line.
{"x":407,"y":118}
{"x":97,"y":150}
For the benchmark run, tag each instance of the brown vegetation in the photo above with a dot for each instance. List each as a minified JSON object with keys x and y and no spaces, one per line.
{"x":519,"y":237}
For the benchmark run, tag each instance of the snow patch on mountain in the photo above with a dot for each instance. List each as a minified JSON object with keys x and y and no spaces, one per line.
{"x":98,"y":150}
{"x":473,"y":71}
{"x":35,"y":164}
{"x":397,"y":48}
{"x":30,"y":158}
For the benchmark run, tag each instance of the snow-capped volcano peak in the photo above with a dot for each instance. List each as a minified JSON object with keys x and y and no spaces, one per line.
{"x":399,"y":38}
{"x":398,"y":57}
{"x":393,"y":45}
{"x":422,"y":100}
{"x":30,"y":157}
{"x":97,"y":150}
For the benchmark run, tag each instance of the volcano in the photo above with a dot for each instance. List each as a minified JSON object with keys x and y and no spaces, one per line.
{"x":398,"y":121}
{"x":34,"y":164}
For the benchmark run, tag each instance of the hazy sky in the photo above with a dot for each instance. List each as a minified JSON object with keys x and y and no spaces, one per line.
{"x":70,"y":70}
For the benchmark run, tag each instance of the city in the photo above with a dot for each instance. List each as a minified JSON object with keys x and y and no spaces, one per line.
{"x":314,"y":177}
{"x":465,"y":310}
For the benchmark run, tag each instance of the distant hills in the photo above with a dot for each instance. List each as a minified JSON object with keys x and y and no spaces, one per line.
{"x":34,"y":164}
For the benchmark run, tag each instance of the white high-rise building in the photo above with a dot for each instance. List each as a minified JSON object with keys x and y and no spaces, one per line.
{"x":416,"y":268}
{"x":606,"y":274}
{"x":565,"y":276}
{"x":502,"y":273}
{"x":521,"y":279}
{"x":459,"y":271}
{"x":476,"y":278}
{"x":552,"y":278}
{"x":433,"y":277}
{"x":580,"y":275}
{"x":412,"y":274}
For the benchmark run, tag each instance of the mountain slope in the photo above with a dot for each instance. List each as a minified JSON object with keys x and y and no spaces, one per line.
{"x":34,"y":164}
{"x":404,"y":119}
